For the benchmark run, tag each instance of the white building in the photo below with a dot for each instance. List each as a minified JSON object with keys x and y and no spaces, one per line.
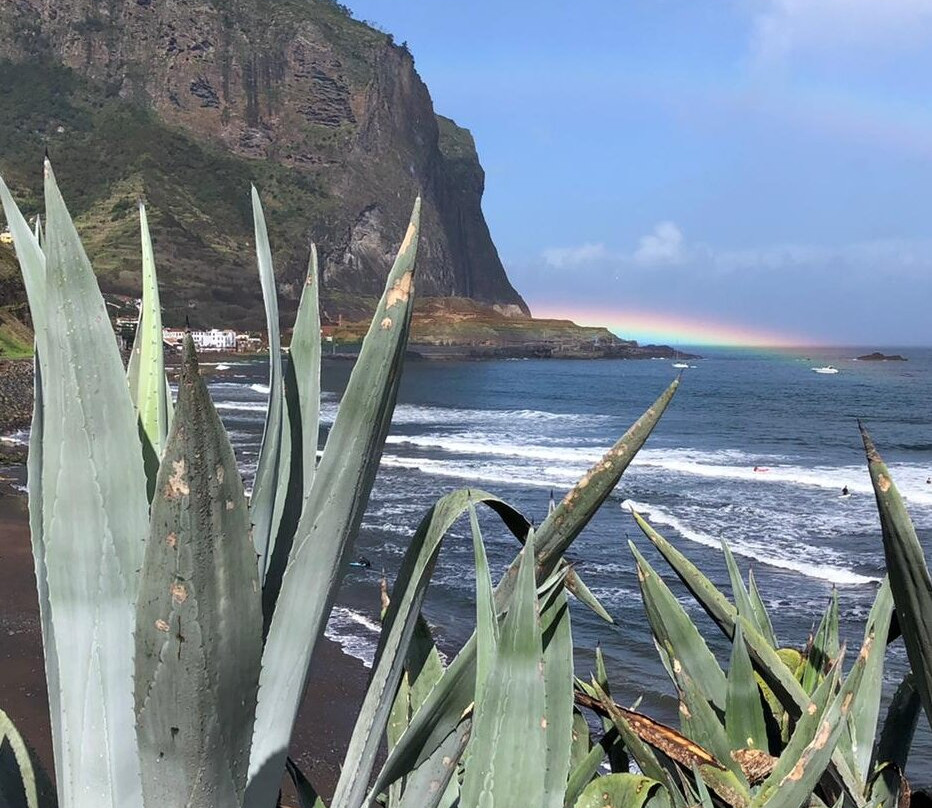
{"x":215,"y":339}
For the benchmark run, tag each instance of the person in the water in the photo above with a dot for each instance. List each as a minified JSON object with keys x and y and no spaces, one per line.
{"x":361,"y":561}
{"x":845,"y":492}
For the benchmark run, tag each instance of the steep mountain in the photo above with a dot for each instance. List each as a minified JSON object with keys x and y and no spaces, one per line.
{"x":185,"y":102}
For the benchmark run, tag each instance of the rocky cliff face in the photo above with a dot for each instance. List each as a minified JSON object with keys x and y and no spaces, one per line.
{"x":187,"y":101}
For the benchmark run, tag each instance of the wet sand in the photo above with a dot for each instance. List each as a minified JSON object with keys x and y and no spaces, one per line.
{"x":325,"y":724}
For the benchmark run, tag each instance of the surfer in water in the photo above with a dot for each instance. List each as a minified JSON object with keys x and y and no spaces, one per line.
{"x":845,"y":492}
{"x":761,"y":469}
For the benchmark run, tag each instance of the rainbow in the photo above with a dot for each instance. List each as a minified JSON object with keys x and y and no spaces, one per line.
{"x":668,"y":328}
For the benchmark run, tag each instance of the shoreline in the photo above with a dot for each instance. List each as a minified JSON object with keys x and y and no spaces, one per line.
{"x":335,"y":688}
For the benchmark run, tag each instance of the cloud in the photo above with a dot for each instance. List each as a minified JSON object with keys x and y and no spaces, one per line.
{"x":787,"y":26}
{"x":563,"y":257}
{"x":662,"y":247}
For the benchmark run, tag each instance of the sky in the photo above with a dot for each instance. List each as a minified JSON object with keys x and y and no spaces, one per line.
{"x":698,"y":170}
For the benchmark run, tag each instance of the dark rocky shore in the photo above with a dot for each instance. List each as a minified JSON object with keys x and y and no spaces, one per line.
{"x":15,"y":405}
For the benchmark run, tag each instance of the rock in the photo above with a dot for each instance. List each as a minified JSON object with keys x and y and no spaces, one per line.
{"x":877,"y":356}
{"x":325,"y":114}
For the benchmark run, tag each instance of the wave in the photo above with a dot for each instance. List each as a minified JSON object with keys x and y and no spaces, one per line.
{"x":725,"y":464}
{"x":804,"y":560}
{"x":355,"y":633}
{"x":260,"y":388}
{"x":18,"y":438}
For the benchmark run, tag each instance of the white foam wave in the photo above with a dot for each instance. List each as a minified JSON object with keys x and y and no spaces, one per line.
{"x":18,"y":438}
{"x":260,"y":388}
{"x":804,"y":559}
{"x":242,"y":406}
{"x":356,"y":634}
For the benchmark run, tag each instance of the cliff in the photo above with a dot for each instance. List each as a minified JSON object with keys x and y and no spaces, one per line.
{"x":185,"y":102}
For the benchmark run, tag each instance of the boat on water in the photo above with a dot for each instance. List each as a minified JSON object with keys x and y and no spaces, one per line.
{"x":827,"y":369}
{"x":677,"y":362}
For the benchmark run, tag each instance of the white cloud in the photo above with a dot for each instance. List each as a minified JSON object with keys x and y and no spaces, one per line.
{"x":662,"y":247}
{"x":563,"y":257}
{"x":787,"y":26}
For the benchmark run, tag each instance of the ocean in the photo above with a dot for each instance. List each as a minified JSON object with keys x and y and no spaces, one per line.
{"x":523,"y":428}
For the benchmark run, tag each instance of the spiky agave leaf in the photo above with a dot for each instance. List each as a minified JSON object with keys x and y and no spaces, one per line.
{"x":909,"y":575}
{"x":620,"y":791}
{"x":889,"y":761}
{"x":823,"y":647}
{"x":329,"y":522}
{"x":33,"y":267}
{"x":302,"y":406}
{"x":93,"y":526}
{"x":778,"y":676}
{"x":398,"y":626}
{"x":146,"y":371}
{"x":442,"y":710}
{"x":198,"y":617}
{"x":509,"y":740}
{"x":744,"y":715}
{"x":17,"y":775}
{"x":271,"y":483}
{"x":558,"y":697}
{"x":677,"y":635}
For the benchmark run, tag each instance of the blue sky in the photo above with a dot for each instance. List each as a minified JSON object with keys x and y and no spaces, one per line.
{"x":759,"y":164}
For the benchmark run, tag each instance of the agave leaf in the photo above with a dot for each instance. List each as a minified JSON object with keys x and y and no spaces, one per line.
{"x":762,"y":617}
{"x":634,"y":729}
{"x":32,"y":264}
{"x":576,"y":586}
{"x":442,"y":711}
{"x":899,"y":725}
{"x":566,"y":522}
{"x":888,"y":786}
{"x":487,"y":632}
{"x":908,"y":573}
{"x":398,"y":627}
{"x":307,"y":796}
{"x":33,"y":267}
{"x":618,"y":791}
{"x":739,"y":592}
{"x":434,"y":777}
{"x":17,"y":775}
{"x":302,"y":405}
{"x":744,"y":715}
{"x":865,"y":708}
{"x":328,"y":524}
{"x":617,"y":757}
{"x":678,"y":636}
{"x":509,"y":749}
{"x":581,"y":741}
{"x":806,"y":757}
{"x":586,"y":768}
{"x":148,"y":385}
{"x":269,"y":489}
{"x":198,"y":617}
{"x":93,"y":525}
{"x":558,"y":687}
{"x":823,"y":648}
{"x":778,"y":677}
{"x":703,"y":726}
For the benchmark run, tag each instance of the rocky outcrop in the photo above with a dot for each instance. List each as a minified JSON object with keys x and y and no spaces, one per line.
{"x":877,"y":356}
{"x":186,"y":102}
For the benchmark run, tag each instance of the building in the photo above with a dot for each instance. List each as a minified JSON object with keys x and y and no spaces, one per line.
{"x":215,"y":339}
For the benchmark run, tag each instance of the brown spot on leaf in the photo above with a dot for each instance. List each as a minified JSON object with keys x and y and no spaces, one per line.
{"x":179,"y":593}
{"x":171,"y":540}
{"x":401,"y":289}
{"x":811,"y":709}
{"x":161,"y":625}
{"x":177,"y":485}
{"x":883,"y":483}
{"x":543,"y":723}
{"x":220,"y":474}
{"x":230,"y":505}
{"x":386,"y":323}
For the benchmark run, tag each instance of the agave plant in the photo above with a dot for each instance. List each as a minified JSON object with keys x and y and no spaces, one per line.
{"x":754,"y":724}
{"x":175,"y":661}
